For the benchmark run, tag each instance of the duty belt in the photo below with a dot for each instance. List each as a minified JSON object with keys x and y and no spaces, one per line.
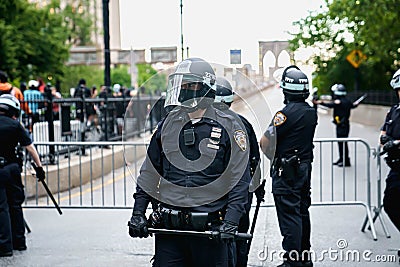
{"x":185,"y":220}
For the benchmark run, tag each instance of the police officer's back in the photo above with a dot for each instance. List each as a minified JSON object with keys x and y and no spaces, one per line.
{"x":292,"y":130}
{"x":342,"y":107}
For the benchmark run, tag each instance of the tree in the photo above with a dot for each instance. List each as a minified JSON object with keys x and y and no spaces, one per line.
{"x":121,"y":76}
{"x":352,"y":24}
{"x":33,"y":41}
{"x":150,"y":79}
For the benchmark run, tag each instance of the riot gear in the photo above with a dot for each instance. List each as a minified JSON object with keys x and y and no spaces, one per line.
{"x":295,"y":84}
{"x":395,"y":82}
{"x":192,"y":85}
{"x":10,"y":105}
{"x":224,"y":93}
{"x":338,"y":89}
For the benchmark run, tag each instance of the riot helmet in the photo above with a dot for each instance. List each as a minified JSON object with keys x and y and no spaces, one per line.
{"x":294,"y":84}
{"x":224,"y":93}
{"x":339,"y":89}
{"x":395,"y":82}
{"x":10,"y":105}
{"x":192,"y":85}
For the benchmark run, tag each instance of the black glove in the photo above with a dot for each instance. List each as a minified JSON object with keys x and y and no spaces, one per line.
{"x":227,"y":230}
{"x":384,"y":139}
{"x":390,"y":146}
{"x":260,"y":192}
{"x":40,"y":174}
{"x":138,"y":225}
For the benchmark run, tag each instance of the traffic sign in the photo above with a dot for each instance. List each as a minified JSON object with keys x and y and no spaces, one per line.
{"x":355,"y":58}
{"x":236,"y":56}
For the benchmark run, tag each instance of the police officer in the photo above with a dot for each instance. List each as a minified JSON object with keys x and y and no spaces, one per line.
{"x":223,"y":100}
{"x":12,"y":133}
{"x":341,"y":114}
{"x":390,"y":139}
{"x":292,"y":129}
{"x":195,"y":173}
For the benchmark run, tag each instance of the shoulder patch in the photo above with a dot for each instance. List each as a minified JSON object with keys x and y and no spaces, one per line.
{"x":279,"y":119}
{"x":240,"y":138}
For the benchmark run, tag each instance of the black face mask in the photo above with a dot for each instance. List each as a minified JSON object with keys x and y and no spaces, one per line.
{"x":187,"y":95}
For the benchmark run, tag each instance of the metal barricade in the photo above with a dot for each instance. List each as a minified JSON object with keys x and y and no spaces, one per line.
{"x":339,"y":186}
{"x":377,"y":210}
{"x":103,"y":177}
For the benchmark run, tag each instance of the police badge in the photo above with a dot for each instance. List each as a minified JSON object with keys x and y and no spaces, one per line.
{"x":240,"y":139}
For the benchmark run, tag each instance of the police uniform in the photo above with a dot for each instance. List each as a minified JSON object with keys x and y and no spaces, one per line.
{"x":295,"y":125}
{"x":12,"y":228}
{"x":341,"y":114}
{"x":244,"y":224}
{"x":292,"y":134}
{"x":226,"y":154}
{"x":391,"y":199}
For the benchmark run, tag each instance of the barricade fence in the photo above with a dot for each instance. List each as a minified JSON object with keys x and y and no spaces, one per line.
{"x":90,"y":119}
{"x":104,"y":176}
{"x":338,"y":186}
{"x":378,"y":208}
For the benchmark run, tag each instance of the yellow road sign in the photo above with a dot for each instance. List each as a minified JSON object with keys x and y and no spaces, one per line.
{"x":356,"y":57}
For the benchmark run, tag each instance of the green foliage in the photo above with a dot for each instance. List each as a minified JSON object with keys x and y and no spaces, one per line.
{"x":151,"y":80}
{"x":35,"y":40}
{"x":121,"y":76}
{"x":370,"y":26}
{"x":94,"y":75}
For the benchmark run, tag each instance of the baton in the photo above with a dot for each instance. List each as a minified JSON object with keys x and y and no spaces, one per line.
{"x":48,"y":191}
{"x":358,"y":101}
{"x":209,"y":234}
{"x":27,"y":227}
{"x":253,"y":224}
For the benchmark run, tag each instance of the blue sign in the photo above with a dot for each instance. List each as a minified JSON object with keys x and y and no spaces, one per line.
{"x":236,"y":56}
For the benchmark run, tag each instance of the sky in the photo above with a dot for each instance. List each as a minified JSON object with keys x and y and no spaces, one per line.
{"x":211,"y":28}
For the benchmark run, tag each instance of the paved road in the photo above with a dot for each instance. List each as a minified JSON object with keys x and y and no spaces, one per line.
{"x":99,"y":237}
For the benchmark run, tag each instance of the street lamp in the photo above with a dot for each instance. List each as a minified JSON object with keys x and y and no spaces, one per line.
{"x":182,"y":49}
{"x":107,"y":61}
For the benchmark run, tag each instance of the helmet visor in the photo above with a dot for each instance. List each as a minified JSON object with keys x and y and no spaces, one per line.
{"x":184,"y":90}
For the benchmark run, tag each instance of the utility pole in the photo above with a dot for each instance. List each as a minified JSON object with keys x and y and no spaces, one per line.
{"x":182,"y":49}
{"x":106,"y":24}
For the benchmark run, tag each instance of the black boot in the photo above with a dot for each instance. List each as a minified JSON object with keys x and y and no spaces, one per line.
{"x":339,"y":161}
{"x":346,"y":164}
{"x":6,"y":253}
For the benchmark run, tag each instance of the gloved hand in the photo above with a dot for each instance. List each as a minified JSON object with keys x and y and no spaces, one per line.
{"x":227,"y":230}
{"x":384,"y":139}
{"x":390,"y":146}
{"x":40,"y":174}
{"x":260,"y":192}
{"x":138,"y":225}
